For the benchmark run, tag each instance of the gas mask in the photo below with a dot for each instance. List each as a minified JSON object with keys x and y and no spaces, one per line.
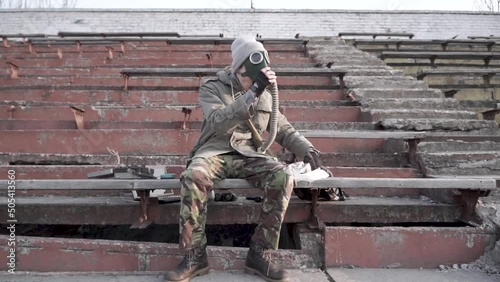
{"x":255,"y":62}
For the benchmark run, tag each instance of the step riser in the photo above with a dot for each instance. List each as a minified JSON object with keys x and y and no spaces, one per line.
{"x":345,"y":160}
{"x":96,"y":62}
{"x":147,"y":142}
{"x":110,"y":255}
{"x":165,"y":55}
{"x":145,"y":82}
{"x":132,"y":46}
{"x":398,"y":247}
{"x":147,"y":97}
{"x":333,"y":114}
{"x":29,"y":71}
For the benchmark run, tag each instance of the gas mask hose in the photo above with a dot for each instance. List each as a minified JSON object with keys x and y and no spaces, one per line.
{"x":274,"y":118}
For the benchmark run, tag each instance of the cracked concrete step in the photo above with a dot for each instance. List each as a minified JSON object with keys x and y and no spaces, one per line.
{"x":408,"y":103}
{"x":381,"y":114}
{"x":458,"y":146}
{"x":329,"y":159}
{"x":462,"y":163}
{"x":463,"y":159}
{"x":398,"y":82}
{"x":471,"y":172}
{"x":387,"y":92}
{"x":438,"y":124}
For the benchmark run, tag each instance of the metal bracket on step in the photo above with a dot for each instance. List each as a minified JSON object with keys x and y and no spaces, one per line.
{"x":14,"y":70}
{"x":110,"y":52}
{"x":314,"y":221}
{"x":11,"y":110}
{"x":125,"y":82}
{"x":187,"y":116}
{"x":412,"y":152}
{"x":467,"y":199}
{"x":210,"y":59}
{"x":78,"y":113}
{"x":144,"y":220}
{"x":5,"y":42}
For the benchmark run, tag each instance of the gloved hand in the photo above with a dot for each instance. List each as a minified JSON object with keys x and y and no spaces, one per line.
{"x":312,"y":157}
{"x":265,"y":77}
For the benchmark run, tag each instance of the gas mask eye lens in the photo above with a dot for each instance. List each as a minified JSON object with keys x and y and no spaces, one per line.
{"x":256,"y":58}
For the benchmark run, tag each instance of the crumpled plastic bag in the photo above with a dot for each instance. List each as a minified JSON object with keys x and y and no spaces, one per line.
{"x":303,"y":172}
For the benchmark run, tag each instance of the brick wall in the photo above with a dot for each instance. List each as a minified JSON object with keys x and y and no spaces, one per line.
{"x":269,"y":23}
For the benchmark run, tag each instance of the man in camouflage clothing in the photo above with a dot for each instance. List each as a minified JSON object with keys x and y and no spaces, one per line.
{"x":226,"y":150}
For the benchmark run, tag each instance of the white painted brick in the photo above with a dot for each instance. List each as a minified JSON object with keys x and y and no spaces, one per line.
{"x":233,"y":23}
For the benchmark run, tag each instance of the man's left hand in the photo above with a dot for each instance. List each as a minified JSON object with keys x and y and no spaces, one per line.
{"x":312,"y":157}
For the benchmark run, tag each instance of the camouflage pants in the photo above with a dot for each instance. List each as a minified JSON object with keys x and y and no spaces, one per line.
{"x":198,"y":179}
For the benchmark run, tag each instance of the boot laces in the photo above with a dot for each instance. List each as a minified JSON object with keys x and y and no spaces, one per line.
{"x":267,"y":256}
{"x":191,"y":256}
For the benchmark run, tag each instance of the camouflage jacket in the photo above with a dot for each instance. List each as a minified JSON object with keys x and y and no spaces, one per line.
{"x":224,"y":127}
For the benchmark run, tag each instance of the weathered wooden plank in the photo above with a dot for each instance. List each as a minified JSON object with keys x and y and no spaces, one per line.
{"x":349,"y":183}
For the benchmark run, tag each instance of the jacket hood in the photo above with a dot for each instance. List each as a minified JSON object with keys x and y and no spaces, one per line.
{"x":226,"y":77}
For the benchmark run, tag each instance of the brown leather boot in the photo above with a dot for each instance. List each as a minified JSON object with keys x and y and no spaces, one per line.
{"x":259,"y":262}
{"x":195,"y":263}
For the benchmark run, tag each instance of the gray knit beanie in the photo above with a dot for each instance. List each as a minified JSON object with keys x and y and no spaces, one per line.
{"x":242,"y":48}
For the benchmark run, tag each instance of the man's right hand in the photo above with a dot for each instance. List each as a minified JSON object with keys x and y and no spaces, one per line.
{"x":265,"y":78}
